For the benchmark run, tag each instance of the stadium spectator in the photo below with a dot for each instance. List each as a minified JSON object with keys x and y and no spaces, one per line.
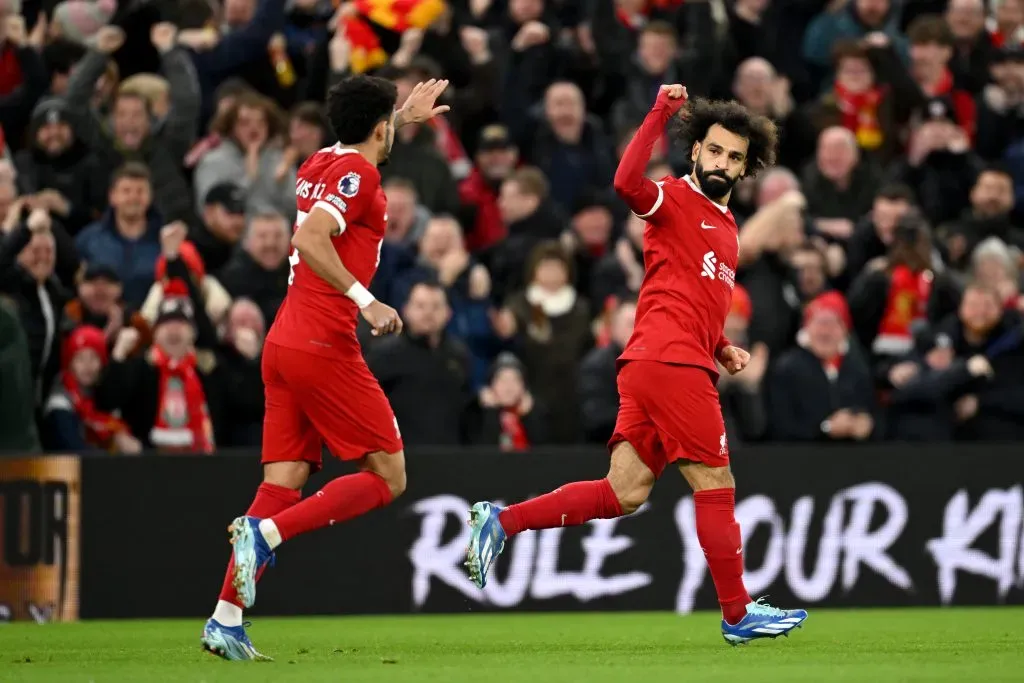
{"x":58,"y":171}
{"x":530,"y":218}
{"x":589,"y":235}
{"x":308,"y":131}
{"x":988,"y":215}
{"x":549,"y":324}
{"x":238,"y":363}
{"x":27,"y":261}
{"x":443,"y":258}
{"x":840,"y":185}
{"x":932,"y":47}
{"x":852,"y":20}
{"x":994,"y":265}
{"x":972,"y":46}
{"x":599,"y":395}
{"x":134,"y":135}
{"x":496,"y":159}
{"x":893,"y":295}
{"x":165,"y":394}
{"x":251,"y":152}
{"x":18,"y":432}
{"x":99,"y":303}
{"x":656,"y":61}
{"x":24,"y":79}
{"x":406,"y":216}
{"x":425,"y":361}
{"x":742,"y":395}
{"x":759,"y":87}
{"x":72,"y":421}
{"x":259,"y":271}
{"x":507,"y":416}
{"x":179,"y":259}
{"x":823,"y":389}
{"x":221,"y":226}
{"x":874,"y":232}
{"x":620,"y":271}
{"x":127,"y":237}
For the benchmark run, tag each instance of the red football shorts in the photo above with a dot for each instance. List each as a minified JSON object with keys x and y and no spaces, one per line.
{"x":312,"y":400}
{"x":670,"y":412}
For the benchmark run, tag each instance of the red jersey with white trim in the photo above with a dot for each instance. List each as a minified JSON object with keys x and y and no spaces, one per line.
{"x":315,"y":317}
{"x":691,"y":250}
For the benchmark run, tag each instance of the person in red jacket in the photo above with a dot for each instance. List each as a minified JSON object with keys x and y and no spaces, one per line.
{"x":496,"y":158}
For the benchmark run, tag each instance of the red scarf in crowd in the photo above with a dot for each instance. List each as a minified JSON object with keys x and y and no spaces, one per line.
{"x":860,"y":115}
{"x":909,"y":293}
{"x":395,"y":15}
{"x":513,"y":434}
{"x":182,"y":417}
{"x":100,"y":427}
{"x":635,"y":22}
{"x":10,"y":69}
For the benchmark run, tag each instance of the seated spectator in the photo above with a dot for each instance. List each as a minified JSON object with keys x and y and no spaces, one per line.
{"x":530,"y":218}
{"x":839,"y":185}
{"x":1006,"y":27}
{"x":506,"y":414}
{"x":741,"y":395}
{"x":425,"y":372}
{"x":855,"y":20}
{"x":238,"y":363}
{"x":994,"y":265}
{"x":259,"y":270}
{"x":589,"y":234}
{"x":931,"y":49}
{"x":443,"y":257}
{"x":823,"y":389}
{"x":621,"y":271}
{"x":58,"y":171}
{"x":18,"y":431}
{"x":496,"y":160}
{"x":989,"y":215}
{"x":972,"y":46}
{"x":164,"y":394}
{"x":657,"y":60}
{"x":599,"y":393}
{"x":27,"y":260}
{"x":250,"y":152}
{"x":308,"y":132}
{"x":894,"y":294}
{"x":100,"y":305}
{"x":810,"y":263}
{"x":768,"y":240}
{"x":759,"y":87}
{"x":71,"y":421}
{"x":222,"y":224}
{"x":873,"y":234}
{"x":406,"y":216}
{"x":549,"y":324}
{"x":939,"y":166}
{"x":127,"y":237}
{"x":971,"y":386}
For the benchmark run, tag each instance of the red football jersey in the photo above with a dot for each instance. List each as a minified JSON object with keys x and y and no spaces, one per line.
{"x":316,"y":317}
{"x":691,"y":248}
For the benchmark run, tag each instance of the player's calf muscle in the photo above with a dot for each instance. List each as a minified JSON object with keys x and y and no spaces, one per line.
{"x":290,"y":475}
{"x":700,"y":477}
{"x":388,"y":466}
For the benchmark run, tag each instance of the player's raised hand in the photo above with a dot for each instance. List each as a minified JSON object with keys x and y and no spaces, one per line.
{"x":382,"y":318}
{"x":674,"y":96}
{"x":419,"y":106}
{"x":733,"y":359}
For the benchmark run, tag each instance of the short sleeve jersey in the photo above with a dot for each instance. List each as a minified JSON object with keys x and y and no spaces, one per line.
{"x":691,"y":249}
{"x":315,"y":317}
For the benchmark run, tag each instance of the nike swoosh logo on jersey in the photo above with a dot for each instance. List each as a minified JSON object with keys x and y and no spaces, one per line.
{"x":706,"y":226}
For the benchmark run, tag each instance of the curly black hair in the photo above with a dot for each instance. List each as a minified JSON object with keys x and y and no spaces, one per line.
{"x":357,"y":104}
{"x":699,"y":114}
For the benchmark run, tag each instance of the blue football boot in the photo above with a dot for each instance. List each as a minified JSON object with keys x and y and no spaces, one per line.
{"x":230,"y":642}
{"x":486,"y":542}
{"x":251,"y":552}
{"x":762,"y":621}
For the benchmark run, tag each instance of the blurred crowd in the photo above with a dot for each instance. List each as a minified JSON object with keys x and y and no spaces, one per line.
{"x":147,"y":185}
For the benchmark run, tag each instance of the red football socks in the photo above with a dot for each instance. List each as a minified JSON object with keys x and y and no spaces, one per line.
{"x":569,"y":505}
{"x":341,"y":499}
{"x":270,"y":500}
{"x":719,"y":536}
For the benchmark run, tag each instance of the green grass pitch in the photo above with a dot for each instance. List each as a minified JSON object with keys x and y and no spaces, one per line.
{"x":866,"y":646}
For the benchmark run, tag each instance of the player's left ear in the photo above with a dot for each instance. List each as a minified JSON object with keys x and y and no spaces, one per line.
{"x":695,"y":152}
{"x":380,"y":132}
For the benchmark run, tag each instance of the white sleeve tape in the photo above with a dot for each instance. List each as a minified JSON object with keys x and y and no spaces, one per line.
{"x":360,"y":295}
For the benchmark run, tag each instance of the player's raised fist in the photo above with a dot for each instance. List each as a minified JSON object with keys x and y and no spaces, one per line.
{"x":382,"y":318}
{"x":733,"y":359}
{"x":674,"y":96}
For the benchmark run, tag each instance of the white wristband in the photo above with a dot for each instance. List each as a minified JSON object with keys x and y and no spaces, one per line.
{"x":360,"y":295}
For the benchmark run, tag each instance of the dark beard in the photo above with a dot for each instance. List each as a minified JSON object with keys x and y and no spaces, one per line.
{"x":714,"y":184}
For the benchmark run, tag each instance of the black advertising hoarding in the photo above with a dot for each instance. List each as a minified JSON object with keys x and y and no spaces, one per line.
{"x":39,"y":538}
{"x":878,"y":526}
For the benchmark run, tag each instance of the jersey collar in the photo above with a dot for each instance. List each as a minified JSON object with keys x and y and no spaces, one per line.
{"x":689,"y":181}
